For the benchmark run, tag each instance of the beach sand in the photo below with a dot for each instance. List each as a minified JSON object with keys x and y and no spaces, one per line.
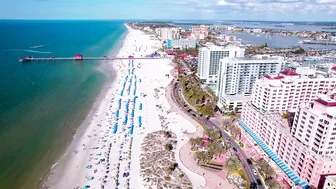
{"x":100,"y":158}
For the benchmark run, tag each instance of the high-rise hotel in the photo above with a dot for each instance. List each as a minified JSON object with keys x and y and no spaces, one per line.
{"x":303,"y":148}
{"x":237,"y":75}
{"x":209,"y":58}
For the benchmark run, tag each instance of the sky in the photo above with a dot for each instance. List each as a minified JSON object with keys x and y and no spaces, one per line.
{"x":279,"y":10}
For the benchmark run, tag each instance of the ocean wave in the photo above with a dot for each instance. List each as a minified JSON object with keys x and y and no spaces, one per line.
{"x":54,"y":165}
{"x":27,"y":50}
{"x":41,"y":52}
{"x":37,"y":46}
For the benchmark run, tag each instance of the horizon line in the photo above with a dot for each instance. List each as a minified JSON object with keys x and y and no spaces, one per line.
{"x":122,"y":19}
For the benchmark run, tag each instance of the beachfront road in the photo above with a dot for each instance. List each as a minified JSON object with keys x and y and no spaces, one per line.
{"x":214,"y":123}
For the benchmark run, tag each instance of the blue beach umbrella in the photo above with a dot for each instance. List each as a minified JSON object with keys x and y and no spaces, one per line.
{"x":115,"y":128}
{"x":117,"y":114}
{"x":131,"y":130}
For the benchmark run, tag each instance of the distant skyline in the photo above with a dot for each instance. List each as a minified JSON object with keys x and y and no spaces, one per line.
{"x":277,"y":10}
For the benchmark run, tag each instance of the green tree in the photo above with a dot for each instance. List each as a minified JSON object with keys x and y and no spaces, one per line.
{"x":226,"y":123}
{"x":266,"y":168}
{"x":236,"y":131}
{"x":230,"y":127}
{"x":195,"y":141}
{"x":167,"y":134}
{"x":169,"y":170}
{"x":168,"y":147}
{"x":226,"y":147}
{"x":167,"y":178}
{"x":285,"y":115}
{"x":212,"y":133}
{"x":203,"y":156}
{"x":232,"y":163}
{"x":271,"y":183}
{"x":214,"y":148}
{"x":181,"y":176}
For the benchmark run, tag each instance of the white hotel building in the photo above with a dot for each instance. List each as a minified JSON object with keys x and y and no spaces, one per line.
{"x":236,"y":76}
{"x":287,"y":90}
{"x":167,"y":33}
{"x":307,"y":146}
{"x":209,"y":60}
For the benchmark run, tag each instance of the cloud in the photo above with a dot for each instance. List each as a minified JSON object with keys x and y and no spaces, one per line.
{"x":285,"y":1}
{"x":326,"y":1}
{"x":223,"y":3}
{"x":251,"y":9}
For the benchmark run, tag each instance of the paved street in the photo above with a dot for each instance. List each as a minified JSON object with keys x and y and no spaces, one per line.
{"x":214,"y":123}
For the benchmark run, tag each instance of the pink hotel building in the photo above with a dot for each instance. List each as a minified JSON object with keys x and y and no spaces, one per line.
{"x":308,"y":146}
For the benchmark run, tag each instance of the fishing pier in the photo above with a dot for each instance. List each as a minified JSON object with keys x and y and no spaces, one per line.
{"x":79,"y":57}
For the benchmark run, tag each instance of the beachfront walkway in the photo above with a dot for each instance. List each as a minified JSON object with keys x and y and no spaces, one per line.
{"x":213,"y":180}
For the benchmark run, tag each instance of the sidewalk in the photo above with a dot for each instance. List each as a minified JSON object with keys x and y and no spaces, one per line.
{"x":213,"y":180}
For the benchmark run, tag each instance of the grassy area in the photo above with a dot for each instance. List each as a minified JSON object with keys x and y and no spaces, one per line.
{"x":261,"y":174}
{"x":198,"y":121}
{"x":195,"y":96}
{"x":241,"y":172}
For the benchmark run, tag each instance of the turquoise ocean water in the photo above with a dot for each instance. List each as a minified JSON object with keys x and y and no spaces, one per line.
{"x":42,"y":104}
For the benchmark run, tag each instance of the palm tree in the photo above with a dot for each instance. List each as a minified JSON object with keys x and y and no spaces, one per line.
{"x":207,"y":131}
{"x":271,"y":183}
{"x":230,"y":128}
{"x":269,"y":171}
{"x":192,"y":141}
{"x":226,"y":123}
{"x":226,"y":147}
{"x":202,"y":156}
{"x":212,"y":133}
{"x":236,"y":131}
{"x":214,"y":148}
{"x":266,"y":168}
{"x":195,"y":141}
{"x":232,"y":163}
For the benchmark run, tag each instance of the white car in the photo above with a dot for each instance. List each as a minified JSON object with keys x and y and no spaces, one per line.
{"x":254,"y":172}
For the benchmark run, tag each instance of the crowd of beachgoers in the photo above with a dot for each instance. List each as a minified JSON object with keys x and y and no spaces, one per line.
{"x":107,"y":154}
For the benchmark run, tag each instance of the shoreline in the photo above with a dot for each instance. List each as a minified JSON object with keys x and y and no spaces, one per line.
{"x":66,"y":156}
{"x":105,"y":148}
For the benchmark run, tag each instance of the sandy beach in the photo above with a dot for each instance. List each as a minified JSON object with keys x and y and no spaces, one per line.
{"x":106,"y":154}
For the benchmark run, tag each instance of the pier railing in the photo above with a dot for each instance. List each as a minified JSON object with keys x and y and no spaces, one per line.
{"x":28,"y":59}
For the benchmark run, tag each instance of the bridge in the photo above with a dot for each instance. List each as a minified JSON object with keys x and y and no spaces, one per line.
{"x":80,"y":57}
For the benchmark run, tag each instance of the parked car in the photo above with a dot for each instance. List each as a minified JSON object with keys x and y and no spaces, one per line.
{"x":249,"y":161}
